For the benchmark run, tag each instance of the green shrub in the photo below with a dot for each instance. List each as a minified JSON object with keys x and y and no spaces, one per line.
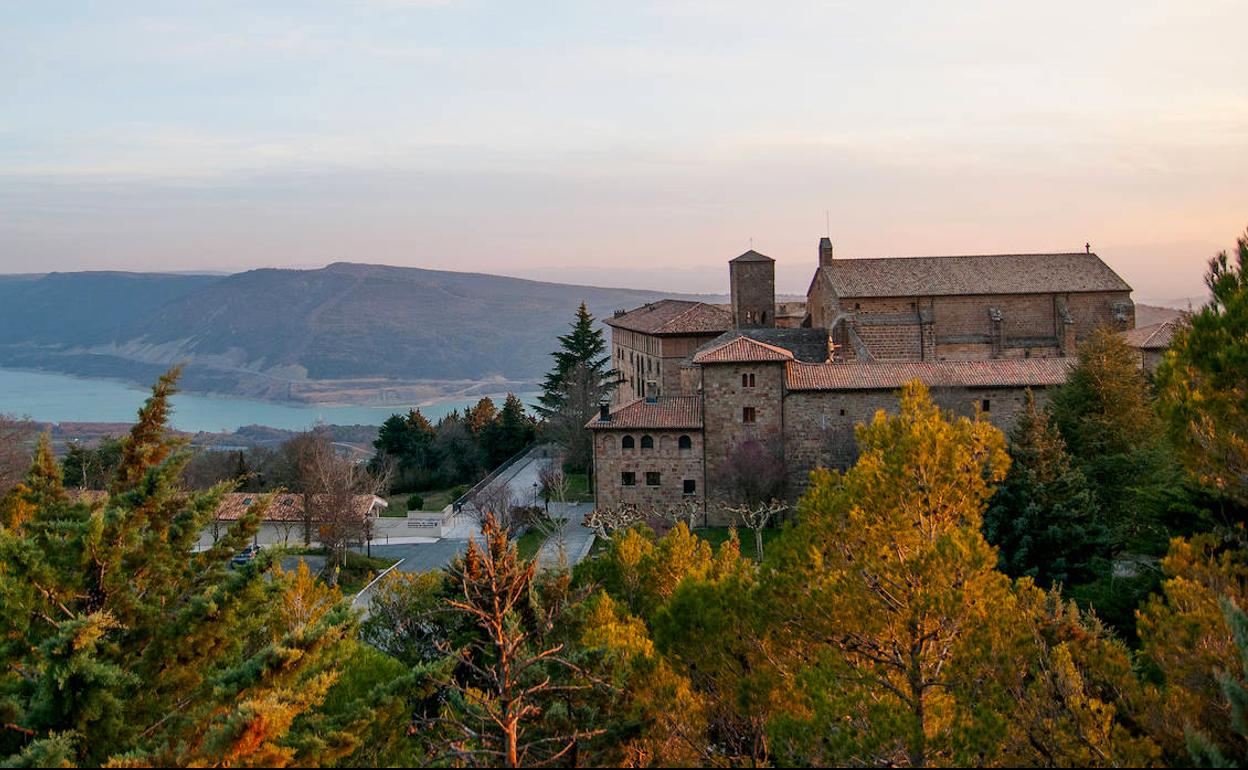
{"x":415,"y":503}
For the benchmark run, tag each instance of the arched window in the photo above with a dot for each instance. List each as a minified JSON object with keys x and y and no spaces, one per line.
{"x":647,"y":442}
{"x":685,"y":442}
{"x":627,"y":442}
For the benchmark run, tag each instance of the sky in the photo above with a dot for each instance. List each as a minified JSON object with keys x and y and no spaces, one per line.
{"x":635,"y":144}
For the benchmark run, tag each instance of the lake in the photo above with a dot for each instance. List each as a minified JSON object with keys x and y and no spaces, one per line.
{"x":50,"y":397}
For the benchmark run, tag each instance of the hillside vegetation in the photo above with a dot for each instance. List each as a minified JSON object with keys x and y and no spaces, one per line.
{"x":294,"y":333}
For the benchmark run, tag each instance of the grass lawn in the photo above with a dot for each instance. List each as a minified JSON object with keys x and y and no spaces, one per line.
{"x":435,"y":500}
{"x":530,"y":543}
{"x":717,"y":535}
{"x":578,"y":489}
{"x":359,"y":570}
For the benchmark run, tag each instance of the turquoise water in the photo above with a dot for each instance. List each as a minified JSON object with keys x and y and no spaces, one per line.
{"x":60,"y":398}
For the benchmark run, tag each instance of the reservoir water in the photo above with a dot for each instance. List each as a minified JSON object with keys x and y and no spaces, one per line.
{"x":50,"y":397}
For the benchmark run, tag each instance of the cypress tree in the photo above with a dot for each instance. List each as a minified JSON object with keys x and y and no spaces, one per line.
{"x":1044,"y":519}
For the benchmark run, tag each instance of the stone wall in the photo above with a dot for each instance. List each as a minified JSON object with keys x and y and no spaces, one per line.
{"x":963,"y":327}
{"x":819,"y":425}
{"x":673,"y":464}
{"x":724,"y":399}
{"x":752,"y":286}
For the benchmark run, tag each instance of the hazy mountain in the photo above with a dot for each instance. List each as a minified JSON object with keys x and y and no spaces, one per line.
{"x":278,"y":333}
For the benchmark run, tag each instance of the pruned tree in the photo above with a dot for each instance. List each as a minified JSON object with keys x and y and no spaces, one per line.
{"x":605,"y":521}
{"x":757,"y":516}
{"x":514,"y":674}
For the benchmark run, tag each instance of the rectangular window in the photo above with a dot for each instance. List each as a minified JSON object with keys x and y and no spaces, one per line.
{"x":987,"y":405}
{"x":628,"y":479}
{"x":691,"y":487}
{"x":653,"y":478}
{"x":747,"y":414}
{"x":747,"y":380}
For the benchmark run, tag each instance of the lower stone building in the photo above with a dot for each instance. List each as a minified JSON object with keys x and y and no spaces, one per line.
{"x":711,"y":396}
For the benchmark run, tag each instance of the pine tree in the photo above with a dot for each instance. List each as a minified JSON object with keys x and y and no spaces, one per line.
{"x":122,"y":643}
{"x":1043,"y":518}
{"x":1106,"y":416}
{"x":1234,"y":685}
{"x":1203,"y":381}
{"x":584,"y":345}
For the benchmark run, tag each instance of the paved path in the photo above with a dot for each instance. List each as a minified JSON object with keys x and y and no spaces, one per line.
{"x":571,"y":543}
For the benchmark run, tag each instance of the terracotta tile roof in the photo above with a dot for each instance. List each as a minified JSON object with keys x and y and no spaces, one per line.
{"x":674,"y":316}
{"x":286,"y":506}
{"x":810,"y":345}
{"x":674,"y":413}
{"x":1156,"y":336}
{"x":741,"y":349}
{"x":984,"y":274}
{"x":997,"y":372}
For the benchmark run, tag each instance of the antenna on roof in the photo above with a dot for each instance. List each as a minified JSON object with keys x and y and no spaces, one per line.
{"x":827,"y":224}
{"x":1087,"y":247}
{"x":751,"y":243}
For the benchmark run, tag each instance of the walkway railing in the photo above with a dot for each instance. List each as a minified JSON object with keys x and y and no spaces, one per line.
{"x":466,"y":498}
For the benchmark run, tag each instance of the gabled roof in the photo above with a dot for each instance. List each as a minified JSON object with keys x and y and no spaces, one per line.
{"x":741,"y":349}
{"x":806,"y":344}
{"x":674,"y":413}
{"x":1156,"y":336}
{"x":996,"y":372}
{"x":752,"y":256}
{"x":981,"y":274}
{"x":676,"y":317}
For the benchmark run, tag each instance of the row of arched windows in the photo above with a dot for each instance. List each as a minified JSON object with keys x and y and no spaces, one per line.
{"x":647,"y":442}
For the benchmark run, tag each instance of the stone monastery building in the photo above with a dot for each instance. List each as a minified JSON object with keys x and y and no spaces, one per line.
{"x":697,"y":381}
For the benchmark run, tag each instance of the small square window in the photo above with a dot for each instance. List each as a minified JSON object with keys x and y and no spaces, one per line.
{"x":748,"y":414}
{"x":653,"y":478}
{"x":628,"y":479}
{"x":842,"y":412}
{"x":690,"y":487}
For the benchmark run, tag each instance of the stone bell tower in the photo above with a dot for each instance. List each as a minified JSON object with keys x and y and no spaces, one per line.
{"x":752,"y":277}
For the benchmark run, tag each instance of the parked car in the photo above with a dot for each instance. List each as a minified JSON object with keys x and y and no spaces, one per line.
{"x":246,"y":555}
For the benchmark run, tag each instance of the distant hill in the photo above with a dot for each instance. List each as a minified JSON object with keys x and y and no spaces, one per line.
{"x":315,"y":334}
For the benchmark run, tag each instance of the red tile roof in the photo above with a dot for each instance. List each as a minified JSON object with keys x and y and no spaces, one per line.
{"x":1156,"y":336}
{"x":977,"y":274}
{"x":997,"y":372}
{"x":674,"y":413}
{"x":674,"y":316}
{"x":742,"y":349}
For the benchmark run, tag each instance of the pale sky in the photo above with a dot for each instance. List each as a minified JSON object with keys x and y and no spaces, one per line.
{"x":612,"y":142}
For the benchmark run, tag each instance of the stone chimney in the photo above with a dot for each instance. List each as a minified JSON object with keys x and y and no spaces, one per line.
{"x":825,"y":252}
{"x":604,"y":413}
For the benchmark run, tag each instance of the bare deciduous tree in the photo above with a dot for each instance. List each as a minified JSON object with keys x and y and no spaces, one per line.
{"x":16,"y":438}
{"x":337,"y":496}
{"x":606,"y":521}
{"x":494,"y":501}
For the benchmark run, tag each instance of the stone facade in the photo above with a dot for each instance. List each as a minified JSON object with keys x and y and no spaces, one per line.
{"x":674,"y":464}
{"x":979,"y":350}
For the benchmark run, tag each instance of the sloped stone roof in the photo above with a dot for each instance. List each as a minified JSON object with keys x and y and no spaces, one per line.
{"x":997,"y":372}
{"x":1156,"y":336}
{"x":672,"y":413}
{"x":740,"y":349}
{"x":752,"y":256}
{"x":982,"y":274}
{"x":675,"y":317}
